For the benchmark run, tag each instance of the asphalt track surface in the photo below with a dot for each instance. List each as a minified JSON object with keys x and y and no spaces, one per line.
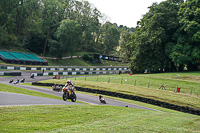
{"x":13,"y":99}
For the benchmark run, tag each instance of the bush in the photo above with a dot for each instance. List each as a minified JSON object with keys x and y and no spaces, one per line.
{"x":86,"y":57}
{"x":35,"y":42}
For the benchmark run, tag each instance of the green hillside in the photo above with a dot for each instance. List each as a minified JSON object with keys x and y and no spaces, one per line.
{"x":77,"y":61}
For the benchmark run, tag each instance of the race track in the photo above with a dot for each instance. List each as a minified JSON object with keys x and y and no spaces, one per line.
{"x":8,"y":99}
{"x":13,"y":99}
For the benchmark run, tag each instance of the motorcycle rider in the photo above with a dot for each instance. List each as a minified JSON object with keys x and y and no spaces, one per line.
{"x":100,"y":97}
{"x":11,"y":80}
{"x":17,"y":81}
{"x":70,"y":84}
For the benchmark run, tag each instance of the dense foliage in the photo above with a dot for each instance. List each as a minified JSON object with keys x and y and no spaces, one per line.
{"x":56,"y":27}
{"x":167,"y":38}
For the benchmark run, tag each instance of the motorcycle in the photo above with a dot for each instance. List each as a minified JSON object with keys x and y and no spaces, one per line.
{"x":32,"y":76}
{"x":57,"y":88}
{"x":11,"y":81}
{"x":17,"y":81}
{"x":68,"y":93}
{"x":23,"y":80}
{"x":102,"y":99}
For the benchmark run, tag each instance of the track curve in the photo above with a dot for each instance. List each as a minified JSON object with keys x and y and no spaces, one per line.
{"x":80,"y":97}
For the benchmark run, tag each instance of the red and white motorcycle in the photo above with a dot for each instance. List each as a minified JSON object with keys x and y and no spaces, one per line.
{"x":102,"y":99}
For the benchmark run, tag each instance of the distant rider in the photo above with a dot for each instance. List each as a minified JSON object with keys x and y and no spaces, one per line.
{"x":101,"y":97}
{"x":17,"y":81}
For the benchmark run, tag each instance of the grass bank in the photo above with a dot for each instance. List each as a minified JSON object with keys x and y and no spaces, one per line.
{"x":67,"y":62}
{"x":72,"y":62}
{"x":189,"y":82}
{"x":92,"y":118}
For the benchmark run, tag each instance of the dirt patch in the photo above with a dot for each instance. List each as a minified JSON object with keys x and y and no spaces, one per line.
{"x":185,"y":78}
{"x":191,"y":78}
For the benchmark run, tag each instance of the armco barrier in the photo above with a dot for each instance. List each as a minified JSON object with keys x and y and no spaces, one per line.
{"x":71,"y":70}
{"x":68,"y":68}
{"x":10,"y":73}
{"x":79,"y":73}
{"x":132,"y":97}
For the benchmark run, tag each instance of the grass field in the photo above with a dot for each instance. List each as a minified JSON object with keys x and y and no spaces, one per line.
{"x":126,"y":84}
{"x":92,"y":118}
{"x":67,"y":62}
{"x":98,"y":119}
{"x":188,"y":82}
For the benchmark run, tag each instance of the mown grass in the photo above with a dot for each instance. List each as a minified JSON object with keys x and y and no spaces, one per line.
{"x":141,"y":88}
{"x":92,"y":118}
{"x":188,"y":82}
{"x":98,"y":119}
{"x":67,"y":62}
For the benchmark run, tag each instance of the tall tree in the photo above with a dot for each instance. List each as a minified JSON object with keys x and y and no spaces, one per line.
{"x":69,"y":33}
{"x":88,"y":17}
{"x":12,"y":17}
{"x":56,"y":48}
{"x":187,"y":48}
{"x":152,"y":37}
{"x":124,"y":49}
{"x":109,"y":37}
{"x":51,"y":14}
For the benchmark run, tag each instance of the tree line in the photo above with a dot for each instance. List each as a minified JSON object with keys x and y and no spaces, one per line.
{"x":56,"y":27}
{"x":167,"y":38}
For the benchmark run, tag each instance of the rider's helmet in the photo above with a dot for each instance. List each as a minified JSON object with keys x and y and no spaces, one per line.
{"x":69,"y":82}
{"x":100,"y":96}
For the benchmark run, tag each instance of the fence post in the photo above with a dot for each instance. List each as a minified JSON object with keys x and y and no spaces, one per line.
{"x":97,"y":77}
{"x":148,"y":84}
{"x":121,"y":80}
{"x":135,"y":83}
{"x":75,"y":77}
{"x":108,"y":79}
{"x":85,"y":78}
